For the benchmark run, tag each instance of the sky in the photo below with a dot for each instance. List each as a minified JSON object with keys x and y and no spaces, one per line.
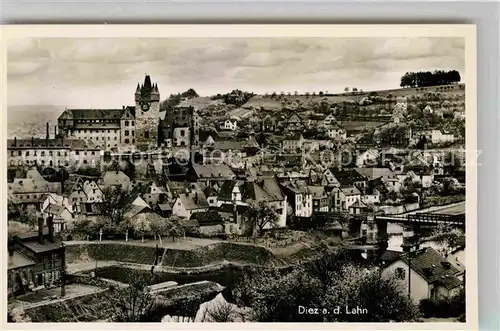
{"x":103,"y":73}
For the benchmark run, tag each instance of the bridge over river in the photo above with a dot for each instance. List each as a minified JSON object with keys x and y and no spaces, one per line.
{"x":453,"y":214}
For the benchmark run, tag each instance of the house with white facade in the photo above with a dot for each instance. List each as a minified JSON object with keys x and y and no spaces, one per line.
{"x":236,"y":195}
{"x":336,"y":133}
{"x":229,"y":125}
{"x":330,"y":119}
{"x":293,"y":143}
{"x":432,"y":276}
{"x":299,"y":197}
{"x":188,"y":204}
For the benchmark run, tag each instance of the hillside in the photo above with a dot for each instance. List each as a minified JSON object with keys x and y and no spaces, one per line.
{"x":276,"y":103}
{"x":28,"y":121}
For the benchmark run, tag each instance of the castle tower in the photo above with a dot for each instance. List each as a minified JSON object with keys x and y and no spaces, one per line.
{"x":147,"y":115}
{"x":195,"y":129}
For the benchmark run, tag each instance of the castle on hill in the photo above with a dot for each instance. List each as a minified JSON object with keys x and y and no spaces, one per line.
{"x":139,"y":127}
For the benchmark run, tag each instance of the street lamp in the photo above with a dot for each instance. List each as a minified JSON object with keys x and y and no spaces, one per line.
{"x":410,"y":246}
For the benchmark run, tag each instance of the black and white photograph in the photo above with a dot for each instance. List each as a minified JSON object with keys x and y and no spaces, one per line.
{"x":243,"y":179}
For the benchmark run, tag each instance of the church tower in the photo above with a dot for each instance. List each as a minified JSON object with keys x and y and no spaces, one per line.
{"x":147,"y":115}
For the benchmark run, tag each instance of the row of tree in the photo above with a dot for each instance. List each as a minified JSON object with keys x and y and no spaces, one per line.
{"x":428,"y":78}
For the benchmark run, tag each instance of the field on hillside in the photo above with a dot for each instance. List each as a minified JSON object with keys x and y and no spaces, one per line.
{"x":356,"y":126}
{"x":268,"y":103}
{"x":201,"y":102}
{"x":28,"y":121}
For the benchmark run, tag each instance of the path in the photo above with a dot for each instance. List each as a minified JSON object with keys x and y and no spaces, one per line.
{"x":456,"y":205}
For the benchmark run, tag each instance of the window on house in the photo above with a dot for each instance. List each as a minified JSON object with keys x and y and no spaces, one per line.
{"x":109,"y":138}
{"x":115,"y":138}
{"x":92,"y":153}
{"x":84,"y":153}
{"x":182,"y":133}
{"x":400,"y":273}
{"x":58,"y":153}
{"x":20,"y":153}
{"x":126,"y":141}
{"x":132,"y":133}
{"x":12,"y":153}
{"x":85,"y":162}
{"x":43,"y":153}
{"x":65,"y":153}
{"x":27,"y":153}
{"x":146,"y":134}
{"x":77,"y":153}
{"x":126,"y":123}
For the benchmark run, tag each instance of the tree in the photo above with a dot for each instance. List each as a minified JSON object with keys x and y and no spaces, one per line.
{"x":115,"y":203}
{"x":175,"y":227}
{"x":159,"y":226}
{"x":191,"y":93}
{"x":259,"y":215}
{"x":142,"y":225}
{"x":447,"y":237}
{"x":346,"y":89}
{"x":383,"y":297}
{"x":275,"y":296}
{"x":133,"y":303}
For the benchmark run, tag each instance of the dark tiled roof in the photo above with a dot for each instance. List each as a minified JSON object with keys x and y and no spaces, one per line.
{"x":347,"y":177}
{"x":91,"y":114}
{"x":39,"y":143}
{"x":390,"y":256}
{"x":428,"y":263}
{"x":96,"y":126}
{"x":37,"y":247}
{"x":213,"y":171}
{"x":17,"y":260}
{"x":267,"y":190}
{"x":373,"y":173}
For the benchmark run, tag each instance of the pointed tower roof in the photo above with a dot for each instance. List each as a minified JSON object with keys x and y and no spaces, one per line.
{"x":147,"y":82}
{"x":138,"y":89}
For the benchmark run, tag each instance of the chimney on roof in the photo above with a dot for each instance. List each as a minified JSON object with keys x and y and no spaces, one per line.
{"x":15,"y":141}
{"x":55,"y":131}
{"x":32,"y":141}
{"x":47,"y":135}
{"x":50,"y":225}
{"x":40,"y":230}
{"x":446,"y":264}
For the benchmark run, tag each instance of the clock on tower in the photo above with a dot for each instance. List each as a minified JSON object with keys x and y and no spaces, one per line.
{"x":145,"y":106}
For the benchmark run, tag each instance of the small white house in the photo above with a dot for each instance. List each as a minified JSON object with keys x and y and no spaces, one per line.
{"x":229,"y":125}
{"x":186,"y":205}
{"x":432,"y":277}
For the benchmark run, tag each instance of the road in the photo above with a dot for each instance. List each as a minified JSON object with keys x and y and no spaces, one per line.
{"x":453,"y":207}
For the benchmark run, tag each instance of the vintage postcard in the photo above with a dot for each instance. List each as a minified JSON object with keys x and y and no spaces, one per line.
{"x":319,"y":174}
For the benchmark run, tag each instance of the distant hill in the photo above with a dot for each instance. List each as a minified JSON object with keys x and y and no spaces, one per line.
{"x":28,"y":121}
{"x":268,"y":103}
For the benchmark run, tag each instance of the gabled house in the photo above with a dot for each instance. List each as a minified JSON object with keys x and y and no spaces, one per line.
{"x":229,"y":125}
{"x":320,"y":202}
{"x":27,"y":192}
{"x":330,"y":119}
{"x":239,"y":193}
{"x":93,"y":192}
{"x":369,"y":157}
{"x":188,"y":204}
{"x":344,"y":197}
{"x":336,"y":132}
{"x":268,"y":124}
{"x":432,"y":277}
{"x":62,"y":217}
{"x":209,"y":173}
{"x":293,"y":143}
{"x":357,"y":208}
{"x":73,"y":190}
{"x":115,"y":179}
{"x":294,"y":123}
{"x":299,"y":197}
{"x":350,"y":177}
